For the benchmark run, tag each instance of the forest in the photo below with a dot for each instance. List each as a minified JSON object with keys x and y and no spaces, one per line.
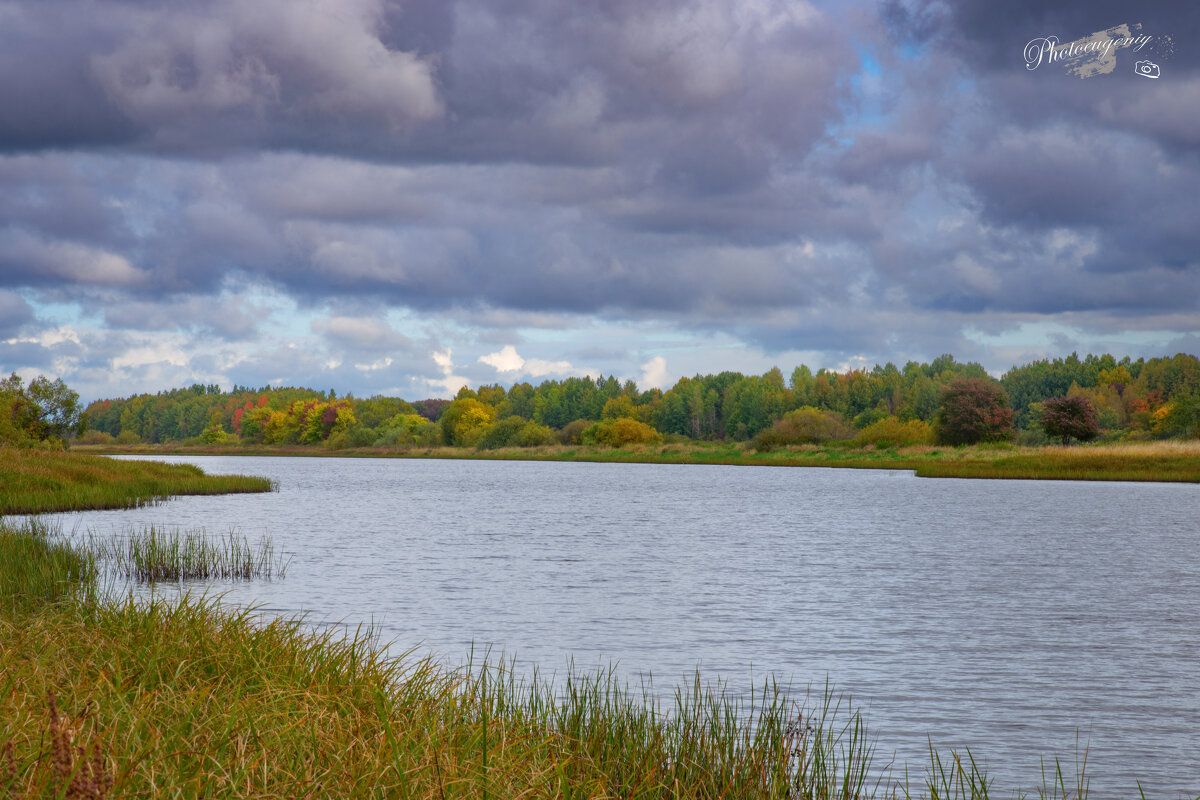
{"x":1095,"y":397}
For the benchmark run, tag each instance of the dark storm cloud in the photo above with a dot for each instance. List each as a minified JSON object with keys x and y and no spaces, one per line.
{"x":993,"y":34}
{"x":14,"y":313}
{"x":862,"y":181}
{"x":205,"y":76}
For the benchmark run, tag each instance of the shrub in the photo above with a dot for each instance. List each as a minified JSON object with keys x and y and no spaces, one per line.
{"x":572,"y":432}
{"x":974,"y":410}
{"x":619,"y":432}
{"x":96,"y":437}
{"x":502,"y":433}
{"x":128,"y":437}
{"x":533,"y":434}
{"x":806,"y":425}
{"x":891,"y":432}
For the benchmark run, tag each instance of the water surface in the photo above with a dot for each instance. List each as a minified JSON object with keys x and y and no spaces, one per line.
{"x":1007,"y":616}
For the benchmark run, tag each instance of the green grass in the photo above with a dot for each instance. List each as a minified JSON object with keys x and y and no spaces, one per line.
{"x":153,"y":554}
{"x":39,"y":481}
{"x":37,"y":567}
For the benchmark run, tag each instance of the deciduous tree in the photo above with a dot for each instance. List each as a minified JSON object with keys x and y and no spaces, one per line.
{"x":974,"y":410}
{"x":1067,"y":418}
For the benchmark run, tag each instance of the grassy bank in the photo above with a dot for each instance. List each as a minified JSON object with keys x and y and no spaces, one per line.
{"x":38,"y":481}
{"x":1173,"y":461}
{"x":185,"y":699}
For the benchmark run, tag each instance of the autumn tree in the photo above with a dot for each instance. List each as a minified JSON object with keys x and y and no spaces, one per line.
{"x":464,"y":421}
{"x":43,"y":410}
{"x":974,"y":410}
{"x":1070,"y":417}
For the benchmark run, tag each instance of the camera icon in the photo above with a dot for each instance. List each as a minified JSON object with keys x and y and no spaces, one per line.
{"x":1147,"y":69}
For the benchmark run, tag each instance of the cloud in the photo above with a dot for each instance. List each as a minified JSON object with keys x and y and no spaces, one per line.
{"x":508,"y":360}
{"x":362,"y":334}
{"x":449,"y":382}
{"x":15,"y":312}
{"x":505,"y":360}
{"x":654,"y":374}
{"x":279,"y":184}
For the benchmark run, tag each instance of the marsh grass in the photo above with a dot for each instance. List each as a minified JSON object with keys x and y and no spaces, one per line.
{"x":152,"y":554}
{"x":37,"y":566}
{"x":39,"y":481}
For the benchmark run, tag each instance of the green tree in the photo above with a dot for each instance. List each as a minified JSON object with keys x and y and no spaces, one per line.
{"x":41,"y":411}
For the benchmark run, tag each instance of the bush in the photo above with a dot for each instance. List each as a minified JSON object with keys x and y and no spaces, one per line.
{"x":96,"y":437}
{"x":572,"y":432}
{"x":502,"y":433}
{"x":891,"y":432}
{"x":618,"y":433}
{"x":974,"y":410}
{"x":533,"y":434}
{"x":128,"y":437}
{"x":806,"y":425}
{"x":354,"y":437}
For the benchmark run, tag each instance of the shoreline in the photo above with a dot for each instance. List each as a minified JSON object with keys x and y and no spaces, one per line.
{"x":1170,"y":461}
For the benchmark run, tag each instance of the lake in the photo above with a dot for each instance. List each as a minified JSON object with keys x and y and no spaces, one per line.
{"x":1007,"y":616}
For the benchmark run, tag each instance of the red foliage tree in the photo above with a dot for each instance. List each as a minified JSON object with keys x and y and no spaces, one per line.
{"x":1067,"y":418}
{"x":974,"y":410}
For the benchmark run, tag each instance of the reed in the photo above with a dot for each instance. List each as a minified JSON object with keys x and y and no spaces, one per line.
{"x":38,"y":567}
{"x":39,"y":481}
{"x":152,"y":554}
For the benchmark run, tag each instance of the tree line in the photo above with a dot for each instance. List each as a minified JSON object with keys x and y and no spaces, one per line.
{"x":1101,"y":396}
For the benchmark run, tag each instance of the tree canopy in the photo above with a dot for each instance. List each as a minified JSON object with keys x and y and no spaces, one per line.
{"x":41,"y":411}
{"x":1132,"y":399}
{"x":974,"y":410}
{"x":1067,"y":418}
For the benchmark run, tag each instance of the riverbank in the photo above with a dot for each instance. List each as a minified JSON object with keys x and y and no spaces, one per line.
{"x":42,"y":481}
{"x":1169,"y":461}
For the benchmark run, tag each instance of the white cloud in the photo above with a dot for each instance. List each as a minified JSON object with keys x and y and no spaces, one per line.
{"x":450,"y":382}
{"x":537,"y":367}
{"x":654,"y":374}
{"x":506,"y":360}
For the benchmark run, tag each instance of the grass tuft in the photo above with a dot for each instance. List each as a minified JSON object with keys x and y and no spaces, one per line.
{"x":157,"y":554}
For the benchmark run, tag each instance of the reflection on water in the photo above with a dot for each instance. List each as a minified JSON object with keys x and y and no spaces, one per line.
{"x":1002,"y":615}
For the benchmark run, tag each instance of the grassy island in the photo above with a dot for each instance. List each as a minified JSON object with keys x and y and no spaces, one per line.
{"x":36,"y":481}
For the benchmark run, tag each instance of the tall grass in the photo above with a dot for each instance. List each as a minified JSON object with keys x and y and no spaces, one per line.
{"x":159,"y":554}
{"x":38,"y":481}
{"x":38,"y":567}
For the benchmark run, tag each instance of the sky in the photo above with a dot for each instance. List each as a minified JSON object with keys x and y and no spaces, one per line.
{"x":404,"y":196}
